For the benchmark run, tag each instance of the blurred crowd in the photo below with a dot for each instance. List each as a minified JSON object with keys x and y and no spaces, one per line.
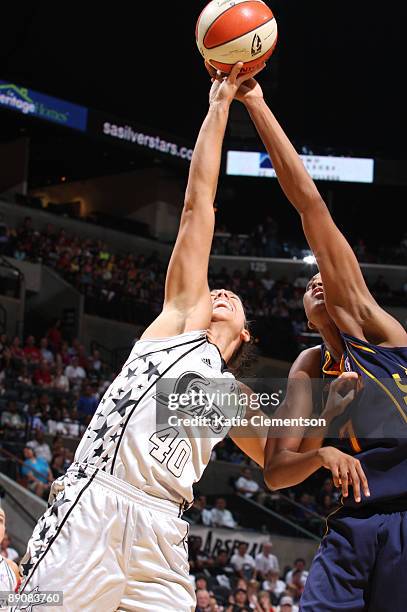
{"x":238,"y":580}
{"x":129,"y":287}
{"x":47,"y":386}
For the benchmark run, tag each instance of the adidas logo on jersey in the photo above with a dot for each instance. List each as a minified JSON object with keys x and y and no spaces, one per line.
{"x":207,"y":361}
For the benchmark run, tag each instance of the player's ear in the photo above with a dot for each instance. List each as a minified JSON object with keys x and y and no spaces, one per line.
{"x":245,"y":335}
{"x":311,"y":326}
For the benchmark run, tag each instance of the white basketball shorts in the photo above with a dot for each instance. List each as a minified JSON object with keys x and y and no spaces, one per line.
{"x":108,"y":546}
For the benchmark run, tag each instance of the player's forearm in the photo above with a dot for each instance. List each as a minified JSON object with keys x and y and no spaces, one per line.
{"x":288,"y":468}
{"x":295,"y":181}
{"x":313,"y":442}
{"x":206,"y":159}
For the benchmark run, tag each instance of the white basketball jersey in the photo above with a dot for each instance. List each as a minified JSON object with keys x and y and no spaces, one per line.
{"x":8,"y":580}
{"x":131,"y":435}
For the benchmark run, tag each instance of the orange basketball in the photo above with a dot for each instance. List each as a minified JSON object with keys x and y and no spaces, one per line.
{"x":230,"y":31}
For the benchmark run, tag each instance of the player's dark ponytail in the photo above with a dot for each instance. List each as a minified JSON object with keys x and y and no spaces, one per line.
{"x":244,"y":356}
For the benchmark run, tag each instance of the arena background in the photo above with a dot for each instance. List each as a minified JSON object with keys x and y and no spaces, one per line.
{"x":91,"y":188}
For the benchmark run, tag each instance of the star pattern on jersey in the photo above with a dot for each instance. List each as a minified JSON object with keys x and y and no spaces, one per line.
{"x":81,"y":474}
{"x":130,"y":373}
{"x":57,"y":504}
{"x":114,"y":437}
{"x":98,"y":452}
{"x":43,"y":533}
{"x":152,"y":370}
{"x":102,"y":431}
{"x":27,"y":566}
{"x":121,"y":404}
{"x":98,"y":414}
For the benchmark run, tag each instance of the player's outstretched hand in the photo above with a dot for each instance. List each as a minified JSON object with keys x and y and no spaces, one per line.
{"x":342,"y":392}
{"x":225,"y":87}
{"x":346,"y":470}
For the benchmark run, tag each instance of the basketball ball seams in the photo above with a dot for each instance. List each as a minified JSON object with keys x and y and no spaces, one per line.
{"x":257,"y":20}
{"x":240,"y":35}
{"x":248,"y":66}
{"x":243,"y":30}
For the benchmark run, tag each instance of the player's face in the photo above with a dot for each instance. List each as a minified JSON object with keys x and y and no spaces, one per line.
{"x":314,"y":301}
{"x":227,"y":306}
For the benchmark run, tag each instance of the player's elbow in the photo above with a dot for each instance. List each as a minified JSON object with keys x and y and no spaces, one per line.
{"x":272,"y":479}
{"x":198,"y":200}
{"x":311,"y":203}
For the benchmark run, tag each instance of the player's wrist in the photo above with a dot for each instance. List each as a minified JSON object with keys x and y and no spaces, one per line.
{"x":221,"y":106}
{"x":253,"y":102}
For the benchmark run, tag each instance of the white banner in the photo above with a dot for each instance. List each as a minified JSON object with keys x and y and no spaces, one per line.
{"x":213,"y":539}
{"x":320,"y":168}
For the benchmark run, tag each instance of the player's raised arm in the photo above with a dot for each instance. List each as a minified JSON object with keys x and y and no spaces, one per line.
{"x":347,"y":297}
{"x":187,"y":304}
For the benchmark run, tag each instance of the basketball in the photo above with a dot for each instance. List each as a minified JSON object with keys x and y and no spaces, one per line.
{"x":231,"y":31}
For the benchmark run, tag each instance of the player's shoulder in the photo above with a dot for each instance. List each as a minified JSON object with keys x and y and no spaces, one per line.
{"x":308,"y":361}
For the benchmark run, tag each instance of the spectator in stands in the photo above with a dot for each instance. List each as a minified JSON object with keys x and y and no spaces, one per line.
{"x":203,"y":603}
{"x":87,"y":403}
{"x":72,"y":421}
{"x":46,"y":354}
{"x":95,"y":364}
{"x":7,"y":551}
{"x":221,"y":516}
{"x":65,"y":354}
{"x":241,"y":603}
{"x":11,"y":419}
{"x":299,"y":564}
{"x":327,"y":489}
{"x":287,"y":605}
{"x":243,"y":563}
{"x":328,"y":505}
{"x":245,"y":485}
{"x":274,"y":585}
{"x":34,"y":422}
{"x":197,"y":558}
{"x":83,"y":360}
{"x":223,"y":570}
{"x":306,"y":514}
{"x":44,"y":406}
{"x":296,"y":586}
{"x":60,"y":381}
{"x":265,"y":561}
{"x":199,"y":513}
{"x":31,"y":352}
{"x":40,"y":447}
{"x":17,"y":352}
{"x":42,"y":375}
{"x":253,"y":588}
{"x":37,"y":472}
{"x":24,"y":377}
{"x":55,"y":426}
{"x":75,"y":373}
{"x":54,"y":336}
{"x":62,"y":458}
{"x":265,"y":604}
